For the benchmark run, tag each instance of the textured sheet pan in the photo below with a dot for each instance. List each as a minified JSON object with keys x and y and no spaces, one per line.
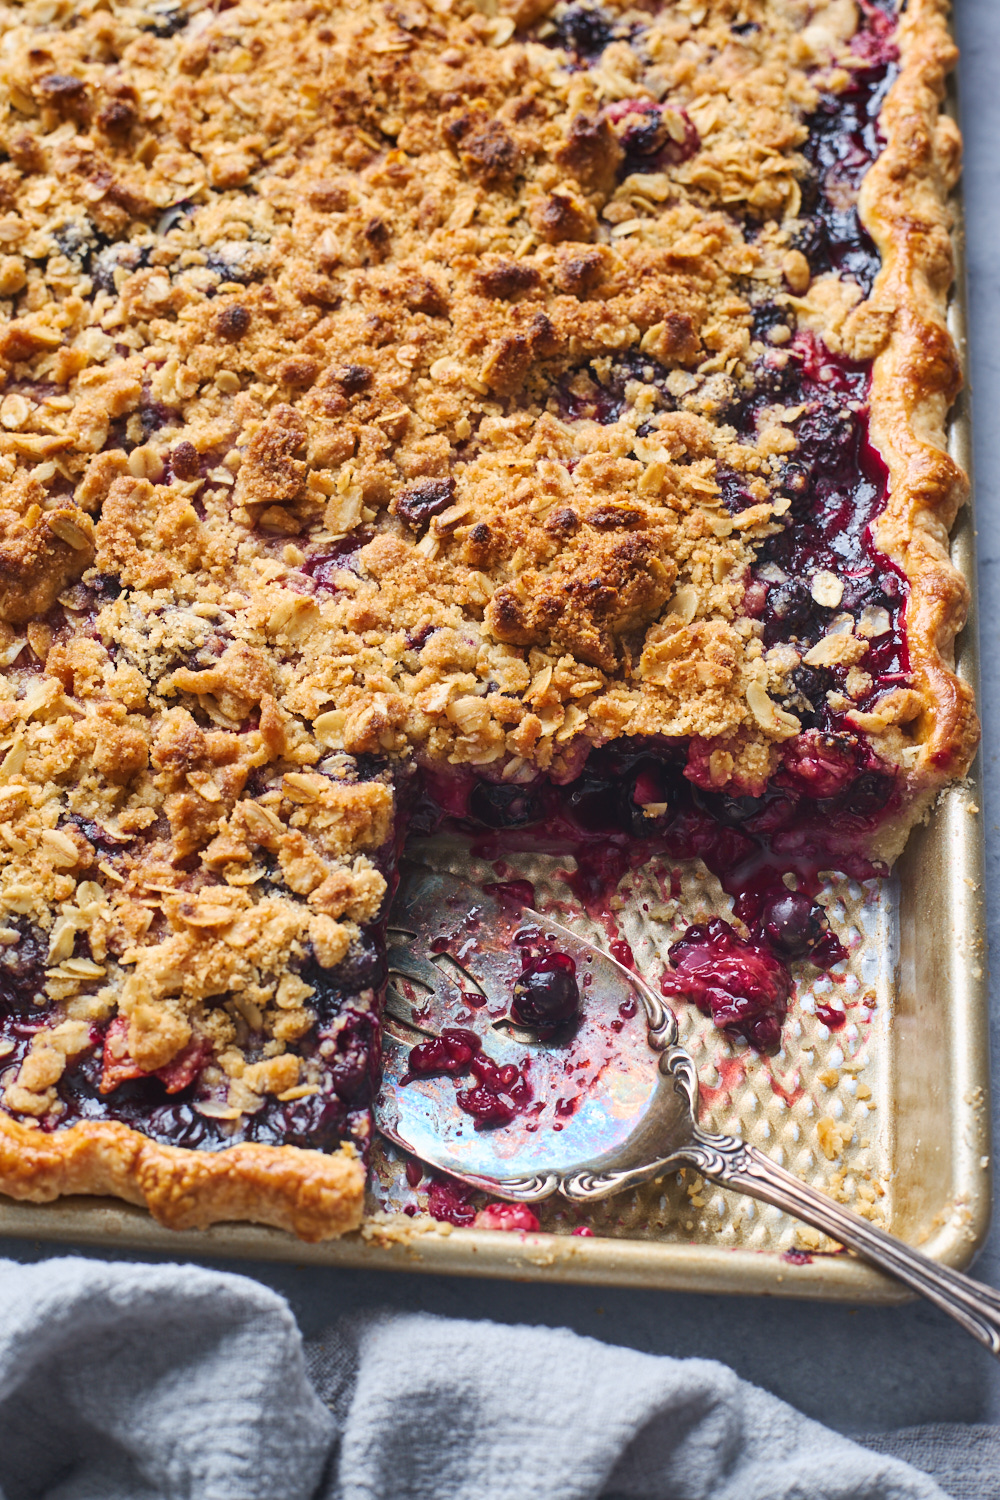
{"x":890,"y":1111}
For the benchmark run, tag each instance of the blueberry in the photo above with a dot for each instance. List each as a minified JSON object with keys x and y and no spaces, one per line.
{"x":794,"y":479}
{"x":735,"y":494}
{"x":868,"y":794}
{"x":767,"y":315}
{"x":792,"y":924}
{"x":820,"y":434}
{"x":580,"y":394}
{"x":120,"y":256}
{"x":362,"y":969}
{"x":180,"y":1125}
{"x":22,"y":971}
{"x":315,"y":1123}
{"x":76,"y":239}
{"x":645,"y":138}
{"x":733,"y":811}
{"x":501,"y":806}
{"x":591,"y":802}
{"x":165,"y":19}
{"x":585,"y":30}
{"x":231,"y":261}
{"x":546,"y":993}
{"x":794,"y":606}
{"x":811,"y":684}
{"x":152,"y":416}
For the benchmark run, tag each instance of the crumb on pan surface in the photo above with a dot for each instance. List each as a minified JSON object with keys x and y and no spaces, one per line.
{"x":366,"y":402}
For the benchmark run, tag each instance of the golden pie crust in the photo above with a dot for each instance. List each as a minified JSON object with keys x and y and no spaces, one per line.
{"x":383,"y":234}
{"x":312,"y":1195}
{"x":915,"y":378}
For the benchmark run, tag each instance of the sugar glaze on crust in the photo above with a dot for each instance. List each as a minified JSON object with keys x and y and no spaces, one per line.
{"x":253,"y":547}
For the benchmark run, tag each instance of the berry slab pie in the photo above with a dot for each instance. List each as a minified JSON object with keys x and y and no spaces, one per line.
{"x":524,"y":414}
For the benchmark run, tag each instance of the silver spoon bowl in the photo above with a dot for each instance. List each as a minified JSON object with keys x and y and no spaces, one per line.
{"x":613,"y":1098}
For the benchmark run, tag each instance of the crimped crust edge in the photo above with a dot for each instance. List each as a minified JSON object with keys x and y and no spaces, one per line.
{"x":915,"y":379}
{"x":312,"y":1195}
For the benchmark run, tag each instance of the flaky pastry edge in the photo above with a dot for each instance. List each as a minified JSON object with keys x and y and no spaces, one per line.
{"x":916,"y":376}
{"x":313,"y":1195}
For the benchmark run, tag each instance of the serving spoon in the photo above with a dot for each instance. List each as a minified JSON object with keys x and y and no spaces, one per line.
{"x":613,"y":1098}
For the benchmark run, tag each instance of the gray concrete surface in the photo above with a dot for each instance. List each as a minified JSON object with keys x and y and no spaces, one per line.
{"x":856,"y":1369}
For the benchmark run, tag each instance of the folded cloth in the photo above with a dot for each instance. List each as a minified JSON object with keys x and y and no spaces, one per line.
{"x":436,"y":1409}
{"x":136,"y":1382}
{"x":131,"y":1382}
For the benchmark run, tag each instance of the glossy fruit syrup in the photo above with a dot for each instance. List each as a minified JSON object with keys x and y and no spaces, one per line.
{"x":498,"y":1092}
{"x":451,"y":1202}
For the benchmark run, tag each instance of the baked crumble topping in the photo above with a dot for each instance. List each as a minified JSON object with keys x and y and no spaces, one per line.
{"x":410,"y":384}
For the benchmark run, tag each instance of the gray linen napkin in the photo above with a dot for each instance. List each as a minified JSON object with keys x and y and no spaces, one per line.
{"x":132,"y":1382}
{"x":135,"y":1382}
{"x":965,"y":1460}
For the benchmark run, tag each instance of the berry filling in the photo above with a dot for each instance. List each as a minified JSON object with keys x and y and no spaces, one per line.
{"x":451,"y":1202}
{"x":22,"y":977}
{"x":119,"y":1067}
{"x":184,"y":1102}
{"x":652,"y":136}
{"x":498,"y":1093}
{"x":821,"y":574}
{"x":831,"y":1017}
{"x":510,"y":1216}
{"x":843,"y":141}
{"x":174,"y":1105}
{"x":740,"y":984}
{"x":451,"y":1053}
{"x":585,"y":30}
{"x":319,"y":571}
{"x":487,"y":1106}
{"x":633,"y":801}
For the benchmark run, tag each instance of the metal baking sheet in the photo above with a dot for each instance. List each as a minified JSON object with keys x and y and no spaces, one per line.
{"x":899,"y":1093}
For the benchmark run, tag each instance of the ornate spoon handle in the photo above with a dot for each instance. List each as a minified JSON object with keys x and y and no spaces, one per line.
{"x":734,"y":1164}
